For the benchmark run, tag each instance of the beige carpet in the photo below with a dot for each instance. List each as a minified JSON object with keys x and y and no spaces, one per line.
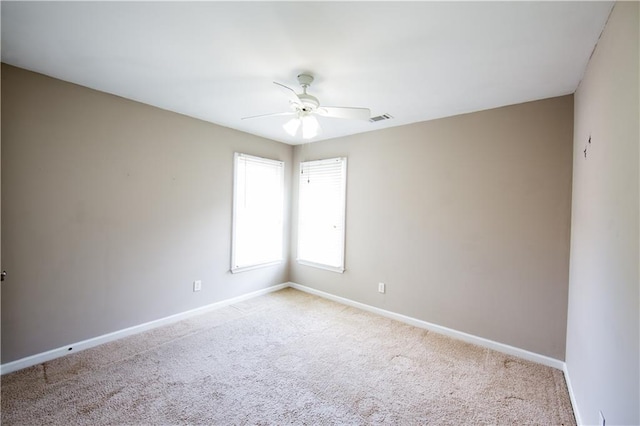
{"x":286,"y":358}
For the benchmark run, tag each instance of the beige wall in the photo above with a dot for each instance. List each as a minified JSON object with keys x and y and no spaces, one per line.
{"x":603,"y":355}
{"x":1,"y":267}
{"x":110,"y":209}
{"x":466,"y":219}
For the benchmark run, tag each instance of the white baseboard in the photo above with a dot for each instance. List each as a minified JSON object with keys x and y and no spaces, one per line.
{"x":480,"y":341}
{"x":105,"y":338}
{"x":574,"y":403}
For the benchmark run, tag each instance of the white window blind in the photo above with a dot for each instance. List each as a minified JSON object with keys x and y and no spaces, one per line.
{"x":258,"y":211}
{"x":321,"y":213}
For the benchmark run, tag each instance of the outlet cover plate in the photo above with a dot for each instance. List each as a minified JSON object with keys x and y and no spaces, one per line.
{"x":381,"y":288}
{"x":197,"y":285}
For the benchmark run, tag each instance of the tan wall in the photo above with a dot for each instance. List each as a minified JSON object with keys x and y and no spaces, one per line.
{"x":1,"y":268}
{"x":603,"y":355}
{"x":110,"y":209}
{"x":466,"y":219}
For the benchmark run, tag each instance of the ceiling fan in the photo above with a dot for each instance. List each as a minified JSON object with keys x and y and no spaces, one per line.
{"x":304,"y":108}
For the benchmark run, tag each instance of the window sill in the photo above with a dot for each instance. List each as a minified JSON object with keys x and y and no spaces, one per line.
{"x":251,"y":267}
{"x":338,"y":269}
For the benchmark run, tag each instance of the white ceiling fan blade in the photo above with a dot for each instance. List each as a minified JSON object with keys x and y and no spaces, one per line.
{"x":345,"y":112}
{"x":293,"y":96}
{"x":273,"y":114}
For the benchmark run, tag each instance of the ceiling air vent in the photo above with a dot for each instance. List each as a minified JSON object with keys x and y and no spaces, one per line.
{"x":380,"y":118}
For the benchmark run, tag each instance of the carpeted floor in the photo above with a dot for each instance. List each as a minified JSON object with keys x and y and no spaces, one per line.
{"x":286,"y":358}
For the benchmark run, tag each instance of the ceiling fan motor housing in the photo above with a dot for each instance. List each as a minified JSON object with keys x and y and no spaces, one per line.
{"x":309,"y":103}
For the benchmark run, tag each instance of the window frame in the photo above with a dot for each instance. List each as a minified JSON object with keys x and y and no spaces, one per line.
{"x":234,"y":219}
{"x":343,"y":217}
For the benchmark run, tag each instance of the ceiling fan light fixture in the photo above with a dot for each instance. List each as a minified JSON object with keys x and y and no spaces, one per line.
{"x":310,"y":127}
{"x":291,"y":126}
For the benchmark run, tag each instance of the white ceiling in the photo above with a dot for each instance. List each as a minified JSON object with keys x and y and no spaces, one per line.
{"x":217,"y":60}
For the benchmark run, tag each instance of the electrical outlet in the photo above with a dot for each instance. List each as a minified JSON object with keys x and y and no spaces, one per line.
{"x":381,"y":287}
{"x":602,"y":421}
{"x":197,"y":285}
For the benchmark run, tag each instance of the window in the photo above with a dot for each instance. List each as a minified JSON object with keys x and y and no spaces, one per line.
{"x":258,"y":209}
{"x":321,"y":213}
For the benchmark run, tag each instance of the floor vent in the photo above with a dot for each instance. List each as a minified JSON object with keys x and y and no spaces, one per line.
{"x":380,"y":118}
